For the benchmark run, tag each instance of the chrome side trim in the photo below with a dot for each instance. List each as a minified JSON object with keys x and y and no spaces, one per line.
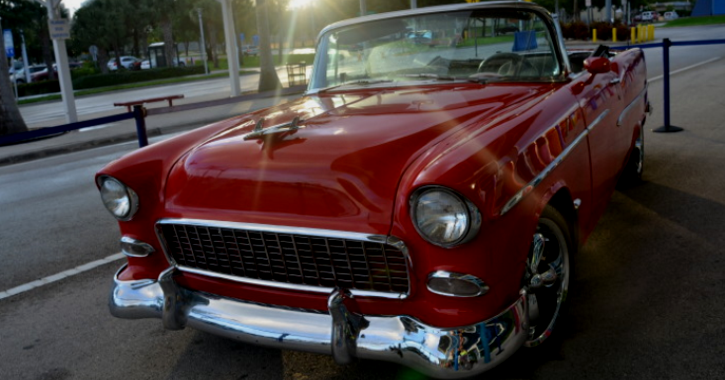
{"x":631,"y":105}
{"x":448,"y":353}
{"x":389,"y":240}
{"x":547,"y":170}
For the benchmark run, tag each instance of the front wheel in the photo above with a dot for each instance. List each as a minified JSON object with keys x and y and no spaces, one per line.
{"x":546,"y":278}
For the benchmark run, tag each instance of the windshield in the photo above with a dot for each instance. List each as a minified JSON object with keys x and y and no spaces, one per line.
{"x":483,"y":45}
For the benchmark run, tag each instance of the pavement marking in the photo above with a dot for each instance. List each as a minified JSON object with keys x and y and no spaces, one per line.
{"x":86,"y":129}
{"x":685,"y":69}
{"x":59,"y":276}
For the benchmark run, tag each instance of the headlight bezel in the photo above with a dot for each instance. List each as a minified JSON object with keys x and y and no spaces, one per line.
{"x":129,"y":193}
{"x":472,"y":213}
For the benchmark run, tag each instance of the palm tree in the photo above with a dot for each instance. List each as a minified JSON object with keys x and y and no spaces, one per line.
{"x":11,"y":121}
{"x":268,"y":79}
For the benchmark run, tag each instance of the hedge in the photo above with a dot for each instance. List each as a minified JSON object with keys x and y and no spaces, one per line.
{"x":85,"y":80}
{"x":124,"y":76}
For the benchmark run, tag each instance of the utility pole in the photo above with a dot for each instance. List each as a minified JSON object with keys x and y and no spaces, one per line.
{"x":202,"y":43}
{"x":363,"y":8}
{"x":413,"y":4}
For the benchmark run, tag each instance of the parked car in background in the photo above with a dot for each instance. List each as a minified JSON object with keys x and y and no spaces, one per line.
{"x":19,"y":75}
{"x":671,"y":16}
{"x":648,"y":16}
{"x":128,"y":62}
{"x":43,"y":74}
{"x":419,"y":205}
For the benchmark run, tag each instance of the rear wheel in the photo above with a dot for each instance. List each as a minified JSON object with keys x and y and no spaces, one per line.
{"x":546,"y":278}
{"x":632,"y":173}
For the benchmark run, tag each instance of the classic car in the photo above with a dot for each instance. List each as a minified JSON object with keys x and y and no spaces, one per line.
{"x":418,"y":204}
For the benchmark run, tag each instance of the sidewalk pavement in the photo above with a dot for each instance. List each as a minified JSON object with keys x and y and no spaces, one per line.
{"x":123,"y":131}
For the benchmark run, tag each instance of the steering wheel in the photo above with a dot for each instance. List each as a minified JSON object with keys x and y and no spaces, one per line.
{"x":507,"y":64}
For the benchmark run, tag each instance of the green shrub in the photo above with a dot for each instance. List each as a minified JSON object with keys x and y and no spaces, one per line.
{"x":121,"y":77}
{"x":39,"y":88}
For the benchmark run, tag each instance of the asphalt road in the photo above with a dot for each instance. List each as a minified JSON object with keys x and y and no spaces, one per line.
{"x":646,"y":297}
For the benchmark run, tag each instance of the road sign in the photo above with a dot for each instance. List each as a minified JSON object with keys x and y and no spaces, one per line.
{"x":93,"y":49}
{"x":9,"y":47}
{"x":59,"y":29}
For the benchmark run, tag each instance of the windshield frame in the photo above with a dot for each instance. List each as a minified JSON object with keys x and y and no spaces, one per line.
{"x":553,"y":38}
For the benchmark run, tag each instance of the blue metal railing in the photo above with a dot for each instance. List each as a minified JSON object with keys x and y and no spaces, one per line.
{"x":140,"y":113}
{"x":665,"y":45}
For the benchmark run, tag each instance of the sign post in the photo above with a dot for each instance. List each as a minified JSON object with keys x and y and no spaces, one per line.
{"x":9,"y":47}
{"x":59,"y":32}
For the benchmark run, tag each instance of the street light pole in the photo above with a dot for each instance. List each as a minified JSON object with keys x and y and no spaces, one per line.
{"x":231,"y":42}
{"x":202,"y":43}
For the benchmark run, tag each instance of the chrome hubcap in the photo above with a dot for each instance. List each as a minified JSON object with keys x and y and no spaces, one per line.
{"x":639,"y":145}
{"x":546,"y":280}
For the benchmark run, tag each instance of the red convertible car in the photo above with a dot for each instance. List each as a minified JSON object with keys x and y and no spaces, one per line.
{"x":419,"y":204}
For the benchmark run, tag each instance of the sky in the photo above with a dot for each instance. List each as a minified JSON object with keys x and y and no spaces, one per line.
{"x":72,"y":5}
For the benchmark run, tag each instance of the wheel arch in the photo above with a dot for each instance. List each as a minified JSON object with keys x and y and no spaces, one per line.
{"x":560,"y":198}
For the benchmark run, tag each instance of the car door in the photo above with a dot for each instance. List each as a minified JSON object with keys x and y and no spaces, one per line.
{"x":600,"y":99}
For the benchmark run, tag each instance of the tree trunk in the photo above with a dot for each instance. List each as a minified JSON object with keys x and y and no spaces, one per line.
{"x":268,"y":79}
{"x":47,"y":52}
{"x":212,"y":40}
{"x":11,"y":121}
{"x":103,"y":60}
{"x":168,"y":41}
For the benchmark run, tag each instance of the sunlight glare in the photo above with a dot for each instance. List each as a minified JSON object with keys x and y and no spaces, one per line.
{"x":296,"y":4}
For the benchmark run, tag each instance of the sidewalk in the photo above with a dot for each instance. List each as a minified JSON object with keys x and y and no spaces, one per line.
{"x":126,"y":130}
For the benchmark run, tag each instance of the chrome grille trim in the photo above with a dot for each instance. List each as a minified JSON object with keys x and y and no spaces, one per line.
{"x":281,"y":263}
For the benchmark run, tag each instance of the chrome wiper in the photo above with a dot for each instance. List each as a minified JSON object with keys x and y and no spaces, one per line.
{"x":430,"y":76}
{"x":482,"y":78}
{"x":359,"y":82}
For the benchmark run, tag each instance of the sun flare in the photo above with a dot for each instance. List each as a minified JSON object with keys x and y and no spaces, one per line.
{"x":296,"y":4}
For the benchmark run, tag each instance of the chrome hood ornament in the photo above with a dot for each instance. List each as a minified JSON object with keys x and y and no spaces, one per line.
{"x":259,"y":130}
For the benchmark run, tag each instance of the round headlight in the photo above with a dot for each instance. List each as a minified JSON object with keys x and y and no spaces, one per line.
{"x":443,"y":217}
{"x":119,"y":199}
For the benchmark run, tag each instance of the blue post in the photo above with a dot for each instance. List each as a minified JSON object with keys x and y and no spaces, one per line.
{"x":139,"y":113}
{"x":666,"y":43}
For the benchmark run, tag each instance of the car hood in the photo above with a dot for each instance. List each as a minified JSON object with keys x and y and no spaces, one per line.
{"x":341,"y":168}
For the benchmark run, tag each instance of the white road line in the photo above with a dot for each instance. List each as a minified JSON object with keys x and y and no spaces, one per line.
{"x":59,"y":276}
{"x":685,"y":68}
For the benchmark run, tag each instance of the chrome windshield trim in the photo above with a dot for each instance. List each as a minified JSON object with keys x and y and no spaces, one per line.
{"x":388,"y":240}
{"x":547,"y":170}
{"x":631,"y":105}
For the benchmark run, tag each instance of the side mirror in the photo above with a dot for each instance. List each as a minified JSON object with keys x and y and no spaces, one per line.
{"x":597,"y":65}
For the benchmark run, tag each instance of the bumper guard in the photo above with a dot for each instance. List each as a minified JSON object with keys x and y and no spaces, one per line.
{"x":447,"y":353}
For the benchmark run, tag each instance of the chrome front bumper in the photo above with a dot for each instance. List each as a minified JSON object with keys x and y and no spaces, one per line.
{"x":438,"y":352}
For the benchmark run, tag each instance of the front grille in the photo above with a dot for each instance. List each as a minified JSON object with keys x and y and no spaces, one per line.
{"x":288,"y":258}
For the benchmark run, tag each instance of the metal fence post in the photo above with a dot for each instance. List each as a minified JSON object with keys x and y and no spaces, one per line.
{"x":666,"y":43}
{"x":139,"y":113}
